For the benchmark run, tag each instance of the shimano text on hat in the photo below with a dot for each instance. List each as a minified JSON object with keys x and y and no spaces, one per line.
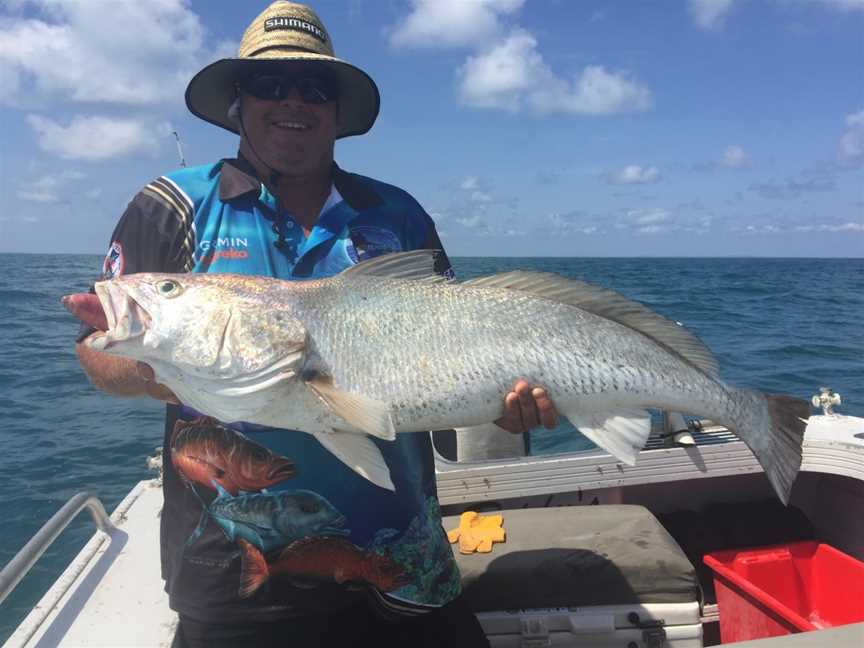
{"x":287,"y":22}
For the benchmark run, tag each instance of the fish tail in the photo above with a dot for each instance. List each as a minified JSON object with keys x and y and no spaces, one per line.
{"x":772,"y":426}
{"x":202,"y":521}
{"x":254,"y":571}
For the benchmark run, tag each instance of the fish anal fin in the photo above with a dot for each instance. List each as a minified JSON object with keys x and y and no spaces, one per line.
{"x":360,"y":454}
{"x":621,"y":433}
{"x":367,"y":414}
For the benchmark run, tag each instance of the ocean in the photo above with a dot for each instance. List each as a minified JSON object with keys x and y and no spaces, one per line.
{"x":779,"y":325}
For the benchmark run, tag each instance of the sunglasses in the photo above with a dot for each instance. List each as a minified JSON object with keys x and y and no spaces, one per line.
{"x":273,"y":87}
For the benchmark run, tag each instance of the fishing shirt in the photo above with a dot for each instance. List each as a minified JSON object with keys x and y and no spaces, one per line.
{"x":315,"y":541}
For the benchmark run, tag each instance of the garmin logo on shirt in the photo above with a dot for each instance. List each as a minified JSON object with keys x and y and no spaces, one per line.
{"x":225,"y":248}
{"x":297,"y":24}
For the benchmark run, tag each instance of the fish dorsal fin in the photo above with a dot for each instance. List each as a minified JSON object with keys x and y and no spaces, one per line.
{"x":609,"y":304}
{"x":417,"y":265}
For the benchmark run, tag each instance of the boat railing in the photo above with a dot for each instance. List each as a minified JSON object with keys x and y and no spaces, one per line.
{"x":24,"y":560}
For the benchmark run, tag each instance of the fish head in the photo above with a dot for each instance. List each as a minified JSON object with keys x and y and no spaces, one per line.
{"x":384,"y":572}
{"x":310,"y":512}
{"x":201,"y":326}
{"x":258,"y":467}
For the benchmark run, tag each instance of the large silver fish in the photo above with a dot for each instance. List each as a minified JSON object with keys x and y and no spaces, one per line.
{"x":387,"y":346}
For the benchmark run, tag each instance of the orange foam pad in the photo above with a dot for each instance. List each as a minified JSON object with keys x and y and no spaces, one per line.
{"x":477,"y":532}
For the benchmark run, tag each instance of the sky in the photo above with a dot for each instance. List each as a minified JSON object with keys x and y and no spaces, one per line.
{"x":524,"y":127}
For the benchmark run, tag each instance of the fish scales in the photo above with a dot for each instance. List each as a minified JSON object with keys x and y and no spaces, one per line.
{"x":478,"y":342}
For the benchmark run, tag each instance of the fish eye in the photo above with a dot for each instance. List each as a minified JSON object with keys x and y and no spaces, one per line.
{"x":308,"y":507}
{"x":168,"y":288}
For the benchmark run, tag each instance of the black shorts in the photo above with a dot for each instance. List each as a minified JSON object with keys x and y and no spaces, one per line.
{"x":451,"y":626}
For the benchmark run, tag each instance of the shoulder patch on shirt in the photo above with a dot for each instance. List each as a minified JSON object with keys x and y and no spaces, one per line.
{"x":368,"y":241}
{"x":113,"y":264}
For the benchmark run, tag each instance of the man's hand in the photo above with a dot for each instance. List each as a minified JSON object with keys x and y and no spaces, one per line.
{"x":526,"y":408}
{"x":152,"y":388}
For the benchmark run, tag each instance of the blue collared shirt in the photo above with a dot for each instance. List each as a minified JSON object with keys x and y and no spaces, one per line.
{"x":220,"y":218}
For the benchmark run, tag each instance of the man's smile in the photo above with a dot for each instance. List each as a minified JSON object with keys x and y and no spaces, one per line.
{"x":290,"y":125}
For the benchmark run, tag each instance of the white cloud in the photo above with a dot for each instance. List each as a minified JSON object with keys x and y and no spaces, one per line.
{"x":475,"y":192}
{"x":49,"y":189}
{"x":635,"y":174}
{"x":44,"y":197}
{"x":452,"y":23}
{"x":469,"y":183}
{"x":94,"y":138}
{"x":645,"y":217}
{"x":594,"y":92}
{"x":512,"y":74}
{"x":576,"y":222}
{"x":475,"y":206}
{"x":852,"y":141}
{"x":691,"y":218}
{"x":792,"y":188}
{"x":473,"y":221}
{"x":710,"y":14}
{"x":734,"y":157}
{"x":762,"y":229}
{"x":843,"y":5}
{"x":779,"y":228}
{"x":124,"y":52}
{"x":499,"y":77}
{"x":826,"y":227}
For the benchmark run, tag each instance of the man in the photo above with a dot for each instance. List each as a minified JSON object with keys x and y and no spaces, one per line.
{"x":310,"y":554}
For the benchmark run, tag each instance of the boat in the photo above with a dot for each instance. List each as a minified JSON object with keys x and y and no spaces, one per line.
{"x":597,"y":553}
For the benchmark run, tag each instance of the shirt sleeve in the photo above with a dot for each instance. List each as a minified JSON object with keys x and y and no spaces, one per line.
{"x":152,"y":235}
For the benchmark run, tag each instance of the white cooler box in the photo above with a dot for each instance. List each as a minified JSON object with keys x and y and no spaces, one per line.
{"x":583,"y":576}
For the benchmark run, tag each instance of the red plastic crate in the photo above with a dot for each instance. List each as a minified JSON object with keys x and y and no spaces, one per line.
{"x":778,"y":590}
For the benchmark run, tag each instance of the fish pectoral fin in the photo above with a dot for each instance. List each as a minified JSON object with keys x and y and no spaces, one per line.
{"x":621,"y":433}
{"x":367,"y":414}
{"x":359,"y":453}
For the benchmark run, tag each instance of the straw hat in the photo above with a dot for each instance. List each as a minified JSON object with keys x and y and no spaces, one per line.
{"x":284,"y":31}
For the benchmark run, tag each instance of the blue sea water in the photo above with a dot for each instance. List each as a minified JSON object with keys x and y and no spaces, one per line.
{"x":780,"y":325}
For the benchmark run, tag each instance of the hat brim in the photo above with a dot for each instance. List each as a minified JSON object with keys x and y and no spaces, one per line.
{"x":212,"y":91}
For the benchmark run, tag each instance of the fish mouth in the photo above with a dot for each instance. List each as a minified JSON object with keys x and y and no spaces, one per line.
{"x":127,"y":319}
{"x":336,"y":526}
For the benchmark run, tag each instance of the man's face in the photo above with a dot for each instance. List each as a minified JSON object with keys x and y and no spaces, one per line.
{"x":291,"y":135}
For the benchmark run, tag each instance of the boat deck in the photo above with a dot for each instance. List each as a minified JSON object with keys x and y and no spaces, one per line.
{"x":112,"y":594}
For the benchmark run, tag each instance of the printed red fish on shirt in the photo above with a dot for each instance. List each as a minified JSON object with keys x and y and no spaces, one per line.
{"x":324,"y":559}
{"x":206,"y":452}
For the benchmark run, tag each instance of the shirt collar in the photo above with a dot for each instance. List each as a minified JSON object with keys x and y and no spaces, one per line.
{"x":238,"y":177}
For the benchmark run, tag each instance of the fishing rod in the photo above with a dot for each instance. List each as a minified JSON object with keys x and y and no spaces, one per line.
{"x":179,"y":149}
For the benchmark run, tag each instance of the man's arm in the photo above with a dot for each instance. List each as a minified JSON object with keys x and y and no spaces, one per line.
{"x":149,"y":237}
{"x":121,"y":376}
